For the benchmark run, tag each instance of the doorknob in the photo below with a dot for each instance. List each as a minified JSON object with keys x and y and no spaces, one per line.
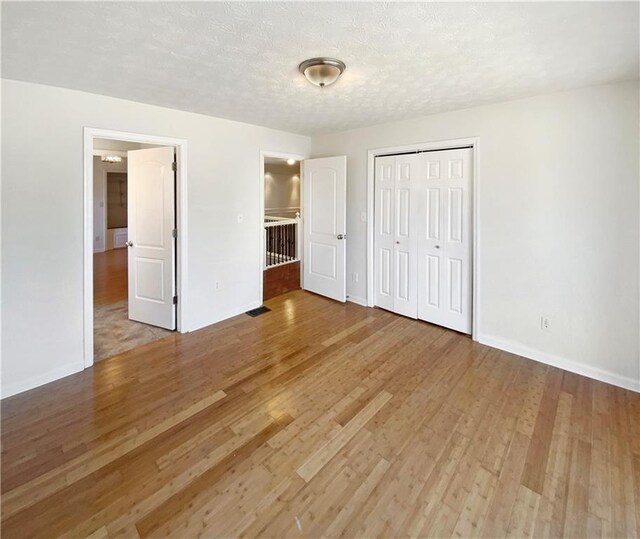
{"x":130,"y":243}
{"x":397,"y":243}
{"x":437,"y":247}
{"x":341,"y":236}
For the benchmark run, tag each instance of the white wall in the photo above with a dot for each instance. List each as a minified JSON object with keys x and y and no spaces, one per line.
{"x":100,"y":170}
{"x":559,"y":221}
{"x":42,"y":218}
{"x":281,"y":189}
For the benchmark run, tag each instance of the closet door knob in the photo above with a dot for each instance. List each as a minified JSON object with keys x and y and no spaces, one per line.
{"x":437,"y":247}
{"x":130,"y":243}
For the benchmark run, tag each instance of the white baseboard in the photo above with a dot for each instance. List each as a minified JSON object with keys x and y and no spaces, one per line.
{"x":101,"y":250}
{"x":560,"y":362}
{"x":41,"y":379}
{"x":357,"y":300}
{"x":224,"y":316}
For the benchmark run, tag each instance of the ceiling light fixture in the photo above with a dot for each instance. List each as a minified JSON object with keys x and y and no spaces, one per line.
{"x":291,"y":161}
{"x":322,"y":71}
{"x":111,"y":159}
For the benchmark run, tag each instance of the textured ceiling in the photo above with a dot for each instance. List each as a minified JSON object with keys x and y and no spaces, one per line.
{"x":239,"y":60}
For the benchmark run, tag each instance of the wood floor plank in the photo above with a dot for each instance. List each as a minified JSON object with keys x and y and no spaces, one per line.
{"x":328,"y":451}
{"x":284,"y":426}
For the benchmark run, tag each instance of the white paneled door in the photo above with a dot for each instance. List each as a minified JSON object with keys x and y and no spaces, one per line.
{"x":151,"y":242}
{"x":324,"y":214}
{"x":445,"y":244}
{"x":423,"y":236}
{"x":396,"y":233}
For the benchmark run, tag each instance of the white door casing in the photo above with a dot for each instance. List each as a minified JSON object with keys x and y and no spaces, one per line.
{"x":445,"y":245}
{"x":324,"y":214}
{"x":396,"y":208}
{"x":151,"y":221}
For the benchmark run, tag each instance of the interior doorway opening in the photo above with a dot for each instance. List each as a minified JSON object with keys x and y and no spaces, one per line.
{"x":134,"y":264}
{"x":282,"y":247}
{"x":115,"y":327}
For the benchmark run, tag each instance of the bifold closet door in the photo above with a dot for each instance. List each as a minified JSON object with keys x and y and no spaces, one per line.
{"x":445,"y":244}
{"x":396,"y":253}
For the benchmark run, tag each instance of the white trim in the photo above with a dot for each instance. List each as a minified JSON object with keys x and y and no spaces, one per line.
{"x":41,"y":379}
{"x":228,"y":314}
{"x":277,"y":155}
{"x":475,"y":266}
{"x":180,"y":145}
{"x":560,"y":362}
{"x":357,"y":300}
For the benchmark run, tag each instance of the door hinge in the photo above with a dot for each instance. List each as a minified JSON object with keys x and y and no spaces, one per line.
{"x":175,"y":300}
{"x":174,"y":233}
{"x":174,"y":166}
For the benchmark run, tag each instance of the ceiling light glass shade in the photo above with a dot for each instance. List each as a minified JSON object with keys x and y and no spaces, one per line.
{"x":291,"y":161}
{"x":111,"y":159}
{"x":322,"y":71}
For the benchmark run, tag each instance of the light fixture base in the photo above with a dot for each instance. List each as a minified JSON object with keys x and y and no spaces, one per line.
{"x":322,"y":71}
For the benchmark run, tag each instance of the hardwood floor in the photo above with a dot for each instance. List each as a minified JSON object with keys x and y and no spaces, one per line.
{"x":110,"y":278}
{"x":321,"y":419}
{"x":280,"y":280}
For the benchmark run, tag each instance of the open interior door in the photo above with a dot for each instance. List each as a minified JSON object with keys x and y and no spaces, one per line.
{"x":151,"y":242}
{"x":325,"y":214}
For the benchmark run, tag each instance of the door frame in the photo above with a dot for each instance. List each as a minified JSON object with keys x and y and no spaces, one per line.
{"x":279,"y":155}
{"x":180,"y":145}
{"x":474,"y":142}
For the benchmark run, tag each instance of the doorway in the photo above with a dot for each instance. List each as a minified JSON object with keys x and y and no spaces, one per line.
{"x":282,"y":220}
{"x":134,"y":205}
{"x":280,"y":223}
{"x":318,"y":247}
{"x":422,"y":238}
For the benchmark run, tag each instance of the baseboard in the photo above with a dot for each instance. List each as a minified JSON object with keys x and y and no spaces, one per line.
{"x":41,"y":379}
{"x":561,"y":363}
{"x":357,"y":300}
{"x":99,"y":250}
{"x":225,"y":316}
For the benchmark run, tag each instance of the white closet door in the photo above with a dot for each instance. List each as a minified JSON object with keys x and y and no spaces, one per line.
{"x":396,"y":233}
{"x":405,"y":299}
{"x":384,"y":237}
{"x":445,"y":245}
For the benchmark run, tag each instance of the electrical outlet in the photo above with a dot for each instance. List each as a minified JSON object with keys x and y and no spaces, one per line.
{"x":97,"y":238}
{"x":240,"y":218}
{"x":545,"y":324}
{"x":217,"y":285}
{"x":363,"y":216}
{"x":354,"y":276}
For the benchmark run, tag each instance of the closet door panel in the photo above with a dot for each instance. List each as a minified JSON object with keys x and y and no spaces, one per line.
{"x":445,"y":245}
{"x":408,"y":170}
{"x":384,"y":237}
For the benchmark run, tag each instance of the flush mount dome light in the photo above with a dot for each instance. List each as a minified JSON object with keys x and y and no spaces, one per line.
{"x":322,"y":71}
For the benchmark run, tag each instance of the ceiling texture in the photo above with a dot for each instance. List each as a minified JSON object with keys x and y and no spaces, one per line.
{"x":238,"y":60}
